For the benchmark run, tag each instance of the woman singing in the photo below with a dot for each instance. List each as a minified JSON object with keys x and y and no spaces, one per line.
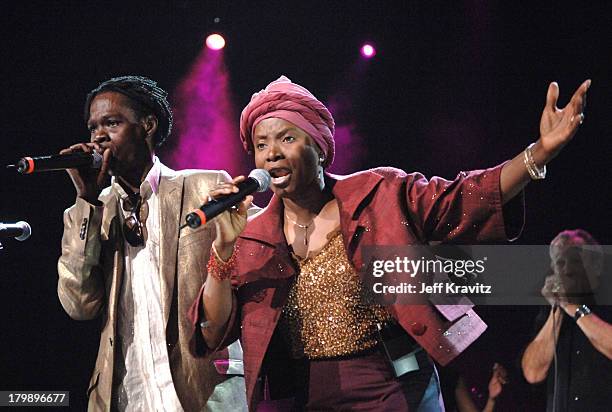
{"x":288,"y":281}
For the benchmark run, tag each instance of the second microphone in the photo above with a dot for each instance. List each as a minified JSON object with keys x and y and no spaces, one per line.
{"x":258,"y":181}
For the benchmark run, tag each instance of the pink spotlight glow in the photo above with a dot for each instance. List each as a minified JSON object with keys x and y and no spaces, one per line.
{"x":206,"y":134}
{"x":351,"y":151}
{"x":215,"y":41}
{"x":368,"y":51}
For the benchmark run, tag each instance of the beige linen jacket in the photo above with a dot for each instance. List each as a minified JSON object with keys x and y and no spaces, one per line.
{"x":90,"y":275}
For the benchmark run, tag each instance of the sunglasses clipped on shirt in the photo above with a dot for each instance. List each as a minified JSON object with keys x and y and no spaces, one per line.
{"x":134,"y":227}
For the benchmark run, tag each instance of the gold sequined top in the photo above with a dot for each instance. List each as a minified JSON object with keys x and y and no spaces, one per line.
{"x":329,"y":312}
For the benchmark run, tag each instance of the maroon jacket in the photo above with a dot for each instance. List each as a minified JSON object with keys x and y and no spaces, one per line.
{"x":383,"y":206}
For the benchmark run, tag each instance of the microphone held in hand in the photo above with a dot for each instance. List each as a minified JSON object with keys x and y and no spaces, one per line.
{"x":27,"y":165}
{"x":20,"y":230}
{"x":258,"y":181}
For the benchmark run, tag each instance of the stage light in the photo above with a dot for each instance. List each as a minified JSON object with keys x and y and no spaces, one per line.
{"x":215,"y":41}
{"x":368,"y":51}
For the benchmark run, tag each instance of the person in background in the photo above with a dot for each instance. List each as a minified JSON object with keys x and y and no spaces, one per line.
{"x":463,"y":399}
{"x":572,"y":349}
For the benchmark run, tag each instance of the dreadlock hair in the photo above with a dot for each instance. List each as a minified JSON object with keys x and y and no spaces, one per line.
{"x":146,"y":98}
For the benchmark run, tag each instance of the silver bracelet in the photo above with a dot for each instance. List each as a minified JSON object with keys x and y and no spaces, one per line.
{"x":534,"y":171}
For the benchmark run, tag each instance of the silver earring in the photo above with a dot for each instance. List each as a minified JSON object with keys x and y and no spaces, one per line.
{"x":320,"y":175}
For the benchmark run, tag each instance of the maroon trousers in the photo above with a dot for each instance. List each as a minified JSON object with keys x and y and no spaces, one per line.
{"x":361,"y":383}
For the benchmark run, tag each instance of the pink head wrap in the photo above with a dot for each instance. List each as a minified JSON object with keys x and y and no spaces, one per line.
{"x":291,"y":102}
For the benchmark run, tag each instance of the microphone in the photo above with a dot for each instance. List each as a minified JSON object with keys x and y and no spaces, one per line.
{"x":258,"y":181}
{"x":27,"y":165}
{"x":20,"y":230}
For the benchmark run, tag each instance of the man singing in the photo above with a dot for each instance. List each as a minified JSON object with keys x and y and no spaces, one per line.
{"x":124,"y":258}
{"x":573,"y":328}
